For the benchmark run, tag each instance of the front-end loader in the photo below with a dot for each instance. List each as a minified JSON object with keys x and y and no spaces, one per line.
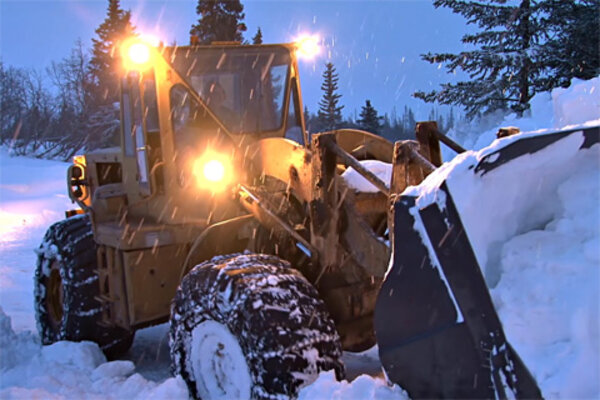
{"x":220,"y":214}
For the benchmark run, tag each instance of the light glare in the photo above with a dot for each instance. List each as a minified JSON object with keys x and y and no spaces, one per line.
{"x":308,"y":46}
{"x":139,"y":53}
{"x":214,"y":171}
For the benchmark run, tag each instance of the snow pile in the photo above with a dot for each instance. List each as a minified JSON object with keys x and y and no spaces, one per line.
{"x":14,"y":348}
{"x":577,"y":104}
{"x":67,"y":370}
{"x":357,"y":182}
{"x":363,"y":387}
{"x":32,"y":196}
{"x":534,"y":225}
{"x":37,"y":182}
{"x":553,"y":273}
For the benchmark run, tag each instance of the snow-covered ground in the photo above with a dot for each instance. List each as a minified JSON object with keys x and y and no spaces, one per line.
{"x":544,"y":280}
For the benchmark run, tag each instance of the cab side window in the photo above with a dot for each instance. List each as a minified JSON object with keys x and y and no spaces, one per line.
{"x":293,"y":128}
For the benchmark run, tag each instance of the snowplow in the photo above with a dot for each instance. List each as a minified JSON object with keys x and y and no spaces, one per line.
{"x":220,"y":214}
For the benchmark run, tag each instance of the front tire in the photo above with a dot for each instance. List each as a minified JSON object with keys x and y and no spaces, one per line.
{"x":250,"y":326}
{"x":66,"y":286}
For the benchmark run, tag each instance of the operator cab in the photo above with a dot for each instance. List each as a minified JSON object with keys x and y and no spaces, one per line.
{"x":185,"y":109}
{"x":250,"y":89}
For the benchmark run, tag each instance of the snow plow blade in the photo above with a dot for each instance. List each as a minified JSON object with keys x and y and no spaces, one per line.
{"x":438,"y":332}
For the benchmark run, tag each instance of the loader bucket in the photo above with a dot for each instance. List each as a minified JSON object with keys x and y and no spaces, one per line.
{"x":438,"y":332}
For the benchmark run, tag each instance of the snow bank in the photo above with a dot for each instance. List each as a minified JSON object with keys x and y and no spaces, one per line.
{"x":364,"y":387}
{"x":575,"y":105}
{"x":547,"y":295}
{"x":14,"y":348}
{"x":32,"y":196}
{"x":28,"y":194}
{"x":534,"y":225}
{"x":67,"y":370}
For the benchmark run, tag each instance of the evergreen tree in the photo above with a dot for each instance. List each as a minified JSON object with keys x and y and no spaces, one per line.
{"x":257,"y":39}
{"x":409,"y":122}
{"x":572,"y":49}
{"x":521,"y":48}
{"x":501,"y":69}
{"x":330,"y":113}
{"x":105,"y":68}
{"x":450,"y":122}
{"x":369,"y":120}
{"x":308,"y":120}
{"x":220,"y":20}
{"x":432,"y":115}
{"x":105,"y":65}
{"x":387,"y":128}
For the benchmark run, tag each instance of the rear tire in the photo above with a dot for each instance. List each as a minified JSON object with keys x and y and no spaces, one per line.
{"x":66,"y":286}
{"x":250,"y":326}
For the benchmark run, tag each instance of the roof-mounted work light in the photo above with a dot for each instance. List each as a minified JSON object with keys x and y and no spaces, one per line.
{"x":137,"y":54}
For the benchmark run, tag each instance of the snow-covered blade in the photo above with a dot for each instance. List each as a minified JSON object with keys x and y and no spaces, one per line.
{"x":446,"y":339}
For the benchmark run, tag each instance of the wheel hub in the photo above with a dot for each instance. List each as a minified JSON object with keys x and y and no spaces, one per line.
{"x":218,"y":363}
{"x":54,"y":298}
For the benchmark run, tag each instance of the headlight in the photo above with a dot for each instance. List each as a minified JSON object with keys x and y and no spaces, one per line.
{"x":307,"y":47}
{"x":213,"y":171}
{"x":137,"y":55}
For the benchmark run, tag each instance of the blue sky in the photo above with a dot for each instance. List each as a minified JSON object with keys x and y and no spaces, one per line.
{"x":375,"y":45}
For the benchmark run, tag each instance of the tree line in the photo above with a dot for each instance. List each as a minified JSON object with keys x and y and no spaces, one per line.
{"x":81,"y":112}
{"x":391,"y":126}
{"x":522,"y":48}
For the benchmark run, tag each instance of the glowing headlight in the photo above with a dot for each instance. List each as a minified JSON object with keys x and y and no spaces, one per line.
{"x":139,"y":53}
{"x":213,"y":171}
{"x":307,"y":46}
{"x":136,"y":54}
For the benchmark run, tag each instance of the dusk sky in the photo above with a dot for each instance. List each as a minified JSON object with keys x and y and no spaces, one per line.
{"x":375,"y":45}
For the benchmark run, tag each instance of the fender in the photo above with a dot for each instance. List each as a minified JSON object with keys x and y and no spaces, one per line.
{"x":225,"y":237}
{"x":364,"y":145}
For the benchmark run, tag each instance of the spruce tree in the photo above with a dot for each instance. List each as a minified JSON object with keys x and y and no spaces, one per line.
{"x":369,"y":120}
{"x":105,"y":64}
{"x":102,"y":120}
{"x":572,"y":48}
{"x":450,"y":122}
{"x":521,"y":48}
{"x":500,"y":68}
{"x":409,"y":122}
{"x":330,"y":113}
{"x":220,"y":20}
{"x":257,"y":39}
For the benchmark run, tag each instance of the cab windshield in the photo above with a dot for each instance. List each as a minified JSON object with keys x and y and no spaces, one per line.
{"x":244,"y":87}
